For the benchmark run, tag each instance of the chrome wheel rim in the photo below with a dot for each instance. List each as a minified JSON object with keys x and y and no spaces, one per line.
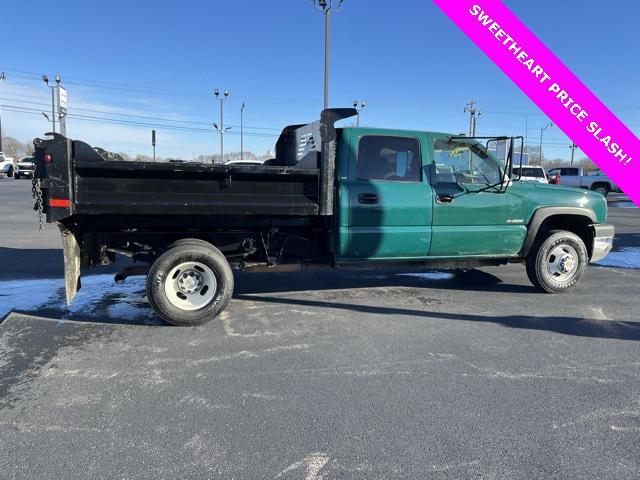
{"x":562,"y":263}
{"x":190,"y":286}
{"x":601,"y":190}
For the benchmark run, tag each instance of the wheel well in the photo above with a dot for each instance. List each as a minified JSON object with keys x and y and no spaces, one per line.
{"x":578,"y":224}
{"x":605,"y":184}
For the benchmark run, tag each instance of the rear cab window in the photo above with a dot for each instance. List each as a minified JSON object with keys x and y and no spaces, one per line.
{"x":389,"y":158}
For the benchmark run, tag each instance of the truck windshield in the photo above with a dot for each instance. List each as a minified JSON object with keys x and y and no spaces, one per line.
{"x":459,"y":161}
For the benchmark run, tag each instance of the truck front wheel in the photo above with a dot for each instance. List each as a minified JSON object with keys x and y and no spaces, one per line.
{"x":557,"y":263}
{"x":190,"y":284}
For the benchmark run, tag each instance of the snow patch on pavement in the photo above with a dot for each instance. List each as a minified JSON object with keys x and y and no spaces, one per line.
{"x":99,"y":298}
{"x":628,"y":257}
{"x":429,"y":275}
{"x":28,"y":295}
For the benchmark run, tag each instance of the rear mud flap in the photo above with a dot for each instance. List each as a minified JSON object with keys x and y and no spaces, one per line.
{"x":71,"y":251}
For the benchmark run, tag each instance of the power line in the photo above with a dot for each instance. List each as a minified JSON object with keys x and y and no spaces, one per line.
{"x":33,"y":111}
{"x":109,"y":112}
{"x":160,"y":91}
{"x":118,"y":114}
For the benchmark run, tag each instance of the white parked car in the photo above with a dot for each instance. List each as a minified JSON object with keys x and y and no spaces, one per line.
{"x":243,"y":162}
{"x":25,"y":168}
{"x":575,"y":177}
{"x":6,"y":165}
{"x":530,"y":173}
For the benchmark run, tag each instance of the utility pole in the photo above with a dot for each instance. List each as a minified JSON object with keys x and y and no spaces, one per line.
{"x":220,"y":128}
{"x":327,"y":7}
{"x":573,"y":152}
{"x":242,"y":132}
{"x":542,"y":129}
{"x":3,"y":77}
{"x":470,"y":108}
{"x":362,"y":103}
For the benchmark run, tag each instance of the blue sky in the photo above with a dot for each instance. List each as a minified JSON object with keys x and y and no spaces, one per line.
{"x":157,"y":62}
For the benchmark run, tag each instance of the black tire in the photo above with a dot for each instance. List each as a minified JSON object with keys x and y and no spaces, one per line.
{"x":602,"y":188}
{"x":183,"y":253}
{"x":10,"y":172}
{"x":541,"y":262}
{"x":192,"y":241}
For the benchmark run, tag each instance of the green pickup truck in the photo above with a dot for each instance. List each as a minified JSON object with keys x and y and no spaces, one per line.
{"x":331,"y":198}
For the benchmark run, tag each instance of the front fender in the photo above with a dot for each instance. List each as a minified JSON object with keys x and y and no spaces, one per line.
{"x":543,"y":213}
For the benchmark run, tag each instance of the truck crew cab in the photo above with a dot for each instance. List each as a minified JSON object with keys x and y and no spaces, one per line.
{"x":332,"y":198}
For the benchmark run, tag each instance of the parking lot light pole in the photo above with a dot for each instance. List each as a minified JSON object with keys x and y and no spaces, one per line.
{"x":220,"y":128}
{"x":542,"y":129}
{"x":359,"y":106}
{"x":327,"y":7}
{"x":3,"y":77}
{"x":45,"y":79}
{"x":61,"y":94}
{"x":242,"y":132}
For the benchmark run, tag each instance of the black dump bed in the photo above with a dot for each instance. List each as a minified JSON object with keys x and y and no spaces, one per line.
{"x":80,"y":180}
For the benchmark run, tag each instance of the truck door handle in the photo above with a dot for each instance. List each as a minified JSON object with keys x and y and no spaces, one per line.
{"x":368,"y":198}
{"x":445,"y":198}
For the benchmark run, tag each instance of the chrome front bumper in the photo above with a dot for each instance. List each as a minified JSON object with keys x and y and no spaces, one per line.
{"x":602,"y":241}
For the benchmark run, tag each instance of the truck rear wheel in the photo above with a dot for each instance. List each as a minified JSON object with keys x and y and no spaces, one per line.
{"x":558,"y":262}
{"x":190,"y":284}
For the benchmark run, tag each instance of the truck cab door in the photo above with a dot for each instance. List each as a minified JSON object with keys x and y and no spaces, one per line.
{"x":386,"y":199}
{"x":472,"y":215}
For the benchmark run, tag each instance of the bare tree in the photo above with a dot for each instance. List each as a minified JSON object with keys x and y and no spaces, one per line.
{"x":14,"y":148}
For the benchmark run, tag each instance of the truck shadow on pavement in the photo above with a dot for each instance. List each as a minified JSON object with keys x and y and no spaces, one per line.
{"x":469,"y":280}
{"x":32,"y":263}
{"x":102,"y":301}
{"x":574,"y":326}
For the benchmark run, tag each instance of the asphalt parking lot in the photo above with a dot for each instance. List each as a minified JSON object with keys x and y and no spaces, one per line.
{"x":319,"y":375}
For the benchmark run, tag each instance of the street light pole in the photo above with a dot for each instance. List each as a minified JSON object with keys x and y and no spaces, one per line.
{"x":362,"y":104}
{"x":3,"y":77}
{"x":220,"y":128}
{"x":242,"y":132}
{"x":542,"y":129}
{"x":45,"y":79}
{"x":62,"y":106}
{"x":327,"y":7}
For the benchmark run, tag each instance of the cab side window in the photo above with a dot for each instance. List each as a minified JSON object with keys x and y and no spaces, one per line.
{"x":393,"y":159}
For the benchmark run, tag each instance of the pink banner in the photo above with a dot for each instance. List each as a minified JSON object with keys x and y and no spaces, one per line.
{"x":552,"y":86}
